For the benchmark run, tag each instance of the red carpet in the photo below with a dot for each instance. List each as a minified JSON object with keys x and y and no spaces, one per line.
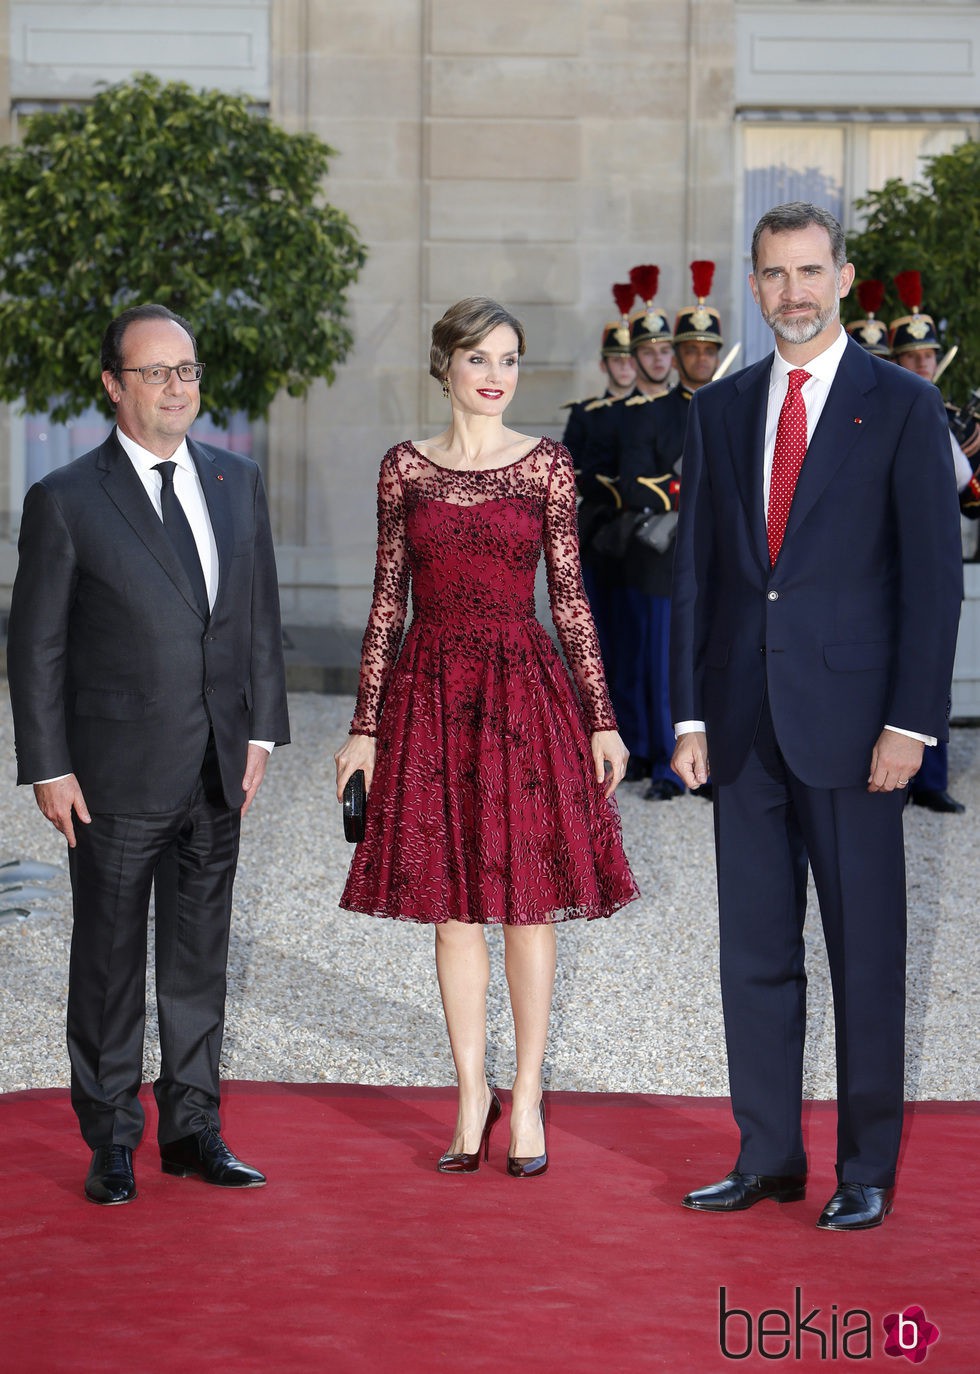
{"x":359,"y":1256}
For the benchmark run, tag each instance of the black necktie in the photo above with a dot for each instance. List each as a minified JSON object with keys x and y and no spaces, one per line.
{"x":176,"y":524}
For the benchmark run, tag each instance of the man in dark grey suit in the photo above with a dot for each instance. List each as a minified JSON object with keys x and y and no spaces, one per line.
{"x":148,"y":690}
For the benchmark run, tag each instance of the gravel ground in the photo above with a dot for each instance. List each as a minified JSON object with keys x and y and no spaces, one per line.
{"x":317,"y":994}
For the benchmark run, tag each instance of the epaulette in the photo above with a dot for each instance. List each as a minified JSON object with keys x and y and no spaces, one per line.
{"x":640,"y":400}
{"x":567,"y":405}
{"x":599,"y":403}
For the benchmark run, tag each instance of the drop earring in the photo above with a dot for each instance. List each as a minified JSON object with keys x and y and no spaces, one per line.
{"x":445,"y":390}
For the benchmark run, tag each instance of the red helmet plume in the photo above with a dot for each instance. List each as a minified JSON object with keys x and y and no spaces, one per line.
{"x":871,"y":294}
{"x":645,"y":279}
{"x":909,"y":287}
{"x":623,"y":295}
{"x":702,"y":275}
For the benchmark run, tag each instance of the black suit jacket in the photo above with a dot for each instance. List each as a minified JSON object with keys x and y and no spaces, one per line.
{"x":114,"y":673}
{"x":855,"y":626}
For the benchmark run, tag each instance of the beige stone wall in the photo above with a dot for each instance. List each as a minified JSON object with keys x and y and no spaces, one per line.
{"x":532,"y":151}
{"x":529,"y":150}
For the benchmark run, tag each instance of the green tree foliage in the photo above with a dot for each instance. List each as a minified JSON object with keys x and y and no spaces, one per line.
{"x":158,"y":192}
{"x":932,"y":227}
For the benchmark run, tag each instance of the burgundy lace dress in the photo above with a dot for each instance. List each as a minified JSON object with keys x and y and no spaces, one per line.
{"x":484,"y":805}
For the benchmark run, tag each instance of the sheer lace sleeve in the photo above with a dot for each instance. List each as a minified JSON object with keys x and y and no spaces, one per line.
{"x":386,"y":622}
{"x":569,"y":604}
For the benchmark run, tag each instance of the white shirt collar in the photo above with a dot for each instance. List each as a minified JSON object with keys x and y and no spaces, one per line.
{"x":145,"y":461}
{"x":823,"y":366}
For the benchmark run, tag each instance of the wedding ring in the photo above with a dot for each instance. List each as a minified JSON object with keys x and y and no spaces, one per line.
{"x":903,"y":782}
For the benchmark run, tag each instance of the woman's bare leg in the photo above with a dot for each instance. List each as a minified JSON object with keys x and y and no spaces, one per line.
{"x":530,"y":954}
{"x":463,"y":968}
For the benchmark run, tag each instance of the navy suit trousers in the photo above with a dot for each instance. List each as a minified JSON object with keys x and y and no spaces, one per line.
{"x":768,"y":825}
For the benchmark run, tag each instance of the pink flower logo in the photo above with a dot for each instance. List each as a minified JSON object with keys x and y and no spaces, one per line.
{"x":910,"y":1334}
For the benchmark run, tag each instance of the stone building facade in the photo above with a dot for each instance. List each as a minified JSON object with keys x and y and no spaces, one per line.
{"x":533,"y":150}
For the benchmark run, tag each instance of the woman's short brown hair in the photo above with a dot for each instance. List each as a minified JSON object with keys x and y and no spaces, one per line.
{"x":466,"y":324}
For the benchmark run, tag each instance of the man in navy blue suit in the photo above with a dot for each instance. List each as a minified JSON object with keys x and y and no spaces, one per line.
{"x":812,"y":632}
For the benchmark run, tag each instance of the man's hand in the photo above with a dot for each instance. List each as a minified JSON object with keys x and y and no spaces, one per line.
{"x":58,"y":800}
{"x":895,"y":760}
{"x":690,"y":761}
{"x":254,"y":773}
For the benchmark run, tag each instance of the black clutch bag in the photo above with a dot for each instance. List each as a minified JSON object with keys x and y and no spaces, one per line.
{"x":355,"y":798}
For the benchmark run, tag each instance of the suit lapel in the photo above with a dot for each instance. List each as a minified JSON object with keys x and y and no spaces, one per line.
{"x":127,"y":493}
{"x":835,"y":435}
{"x":745,"y":418}
{"x":214,"y":486}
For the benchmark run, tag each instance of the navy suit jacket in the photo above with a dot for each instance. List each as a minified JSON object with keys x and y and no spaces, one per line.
{"x":855,"y":626}
{"x":114,"y":673}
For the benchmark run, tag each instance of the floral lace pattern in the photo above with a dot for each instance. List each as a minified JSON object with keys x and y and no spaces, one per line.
{"x":496,"y":559}
{"x":484,"y":806}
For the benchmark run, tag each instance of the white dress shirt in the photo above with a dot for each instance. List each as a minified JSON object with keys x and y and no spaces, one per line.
{"x":822,"y":370}
{"x":187,"y":486}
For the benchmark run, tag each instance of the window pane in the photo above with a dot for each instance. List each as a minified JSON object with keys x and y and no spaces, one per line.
{"x":900,"y":152}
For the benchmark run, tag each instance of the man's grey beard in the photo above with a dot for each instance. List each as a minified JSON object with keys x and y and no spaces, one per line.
{"x":802,"y":331}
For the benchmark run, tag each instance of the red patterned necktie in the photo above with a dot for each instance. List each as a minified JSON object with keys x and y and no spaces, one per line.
{"x":787,"y":459}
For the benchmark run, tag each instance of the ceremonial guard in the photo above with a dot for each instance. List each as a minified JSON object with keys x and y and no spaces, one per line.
{"x":651,"y":443}
{"x":915,"y":346}
{"x":617,"y":365}
{"x":594,"y":480}
{"x":651,"y":341}
{"x":870,"y":333}
{"x":651,"y":347}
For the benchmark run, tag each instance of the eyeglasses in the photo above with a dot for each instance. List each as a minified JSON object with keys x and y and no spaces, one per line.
{"x":159,"y":375}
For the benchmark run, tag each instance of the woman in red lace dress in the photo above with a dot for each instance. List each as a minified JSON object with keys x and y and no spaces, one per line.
{"x":490,"y":777}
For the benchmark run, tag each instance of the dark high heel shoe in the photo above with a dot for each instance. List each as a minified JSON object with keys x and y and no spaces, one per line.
{"x":519,"y":1167}
{"x":463,"y":1163}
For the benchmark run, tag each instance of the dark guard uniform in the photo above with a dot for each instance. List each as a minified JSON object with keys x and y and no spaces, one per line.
{"x":594,"y":480}
{"x":650,"y":444}
{"x":915,"y":334}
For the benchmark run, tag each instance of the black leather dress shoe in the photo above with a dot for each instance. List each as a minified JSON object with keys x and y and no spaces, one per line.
{"x":937,"y":801}
{"x":110,"y":1176}
{"x":706,"y":791}
{"x":856,"y":1207}
{"x":637,"y":768}
{"x":661,"y":789}
{"x":204,"y":1153}
{"x":740,"y":1191}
